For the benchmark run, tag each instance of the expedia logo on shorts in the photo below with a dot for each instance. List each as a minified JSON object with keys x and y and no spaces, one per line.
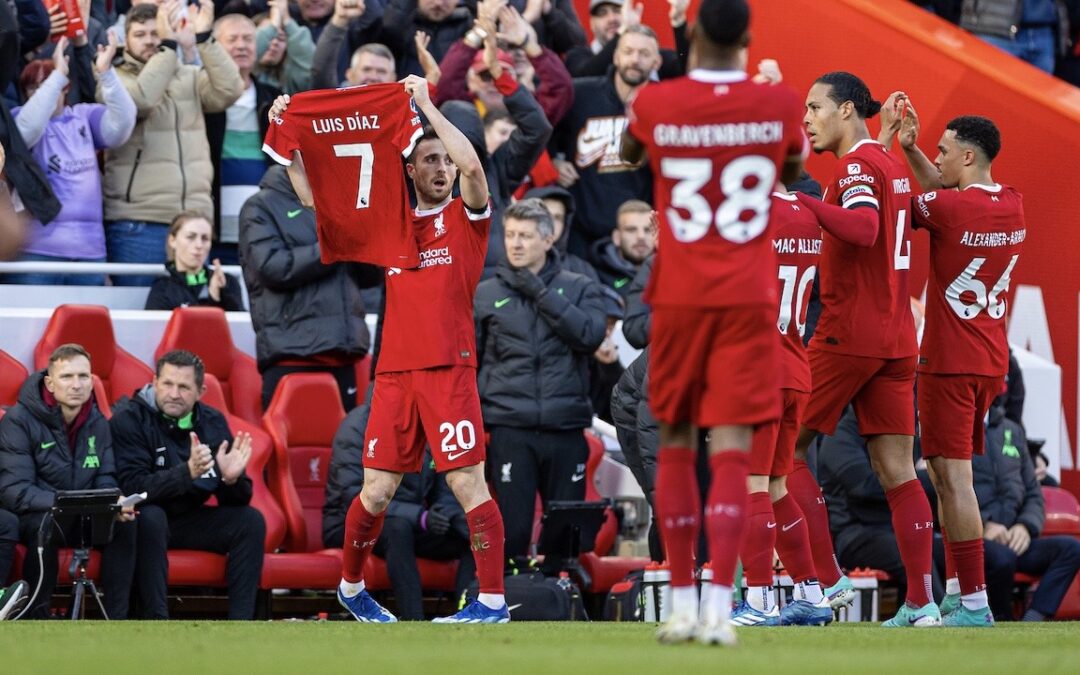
{"x":436,"y":256}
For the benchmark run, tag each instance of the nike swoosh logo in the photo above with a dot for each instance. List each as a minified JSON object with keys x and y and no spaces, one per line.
{"x":576,"y":477}
{"x":619,"y":283}
{"x":350,"y":390}
{"x":499,"y":304}
{"x":451,"y":456}
{"x":770,"y":525}
{"x":46,"y":446}
{"x":511,"y":608}
{"x":293,"y":214}
{"x":787,"y":527}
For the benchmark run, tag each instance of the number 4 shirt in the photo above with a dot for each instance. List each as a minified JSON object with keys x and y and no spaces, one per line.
{"x":352,"y":141}
{"x":975,"y":239}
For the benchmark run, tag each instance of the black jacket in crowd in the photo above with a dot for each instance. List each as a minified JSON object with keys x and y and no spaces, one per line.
{"x":152,"y":452}
{"x":855,"y":498}
{"x":638,"y":319}
{"x":582,"y":62}
{"x":401,"y":17}
{"x":1004,"y":477}
{"x":35,"y":458}
{"x":639,"y":431}
{"x":299,"y":306}
{"x":510,"y":164}
{"x":592,"y":125}
{"x":417,"y":492}
{"x":174,"y":291}
{"x":616,"y":272}
{"x":534,"y":355}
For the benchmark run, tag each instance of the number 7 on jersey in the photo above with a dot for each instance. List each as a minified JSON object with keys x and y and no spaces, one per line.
{"x":367,"y":161}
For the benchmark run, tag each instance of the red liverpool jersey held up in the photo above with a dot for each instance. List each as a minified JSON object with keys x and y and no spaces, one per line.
{"x":796,"y":239}
{"x":352,"y":141}
{"x":429,"y":310}
{"x":716,"y":142}
{"x":865,"y":304}
{"x":975,"y":240}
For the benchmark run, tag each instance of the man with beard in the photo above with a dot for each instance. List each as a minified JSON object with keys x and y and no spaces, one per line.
{"x":588,"y":140}
{"x":165,"y":167}
{"x":618,"y":258}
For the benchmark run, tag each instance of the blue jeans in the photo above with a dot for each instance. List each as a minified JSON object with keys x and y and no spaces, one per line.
{"x":54,"y":279}
{"x":1037,"y":46}
{"x":135,"y":241}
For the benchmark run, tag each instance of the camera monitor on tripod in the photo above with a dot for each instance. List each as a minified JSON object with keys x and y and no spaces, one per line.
{"x":570,"y":528}
{"x":96,"y":508}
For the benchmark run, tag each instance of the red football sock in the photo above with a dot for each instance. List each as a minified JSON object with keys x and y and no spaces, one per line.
{"x":968,"y":556}
{"x":793,"y":540}
{"x":760,"y":540}
{"x":725,"y":513}
{"x":913,"y":524}
{"x":487,"y":538}
{"x":804,"y":488}
{"x":361,"y":532}
{"x":678,"y":510}
{"x":950,"y":559}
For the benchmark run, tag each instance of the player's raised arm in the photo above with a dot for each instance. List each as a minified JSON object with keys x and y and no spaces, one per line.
{"x":925,"y":171}
{"x":858,"y":226}
{"x":297,"y":175}
{"x":473,"y":183}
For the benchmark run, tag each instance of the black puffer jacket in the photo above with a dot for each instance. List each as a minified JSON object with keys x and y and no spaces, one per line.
{"x":152,"y":452}
{"x":616,"y":272}
{"x":174,"y":291}
{"x":299,"y":306}
{"x":401,"y":17}
{"x":638,"y":320}
{"x":638,"y":430}
{"x":534,"y":355}
{"x":36,"y":460}
{"x":1004,"y":477}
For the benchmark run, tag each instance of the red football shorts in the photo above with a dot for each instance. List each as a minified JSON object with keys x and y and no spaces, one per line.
{"x":437,"y":405}
{"x":772,"y":452}
{"x":882,"y":391}
{"x":951,"y":412}
{"x":714,"y":367}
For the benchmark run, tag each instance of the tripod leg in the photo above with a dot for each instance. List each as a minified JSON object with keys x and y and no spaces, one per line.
{"x":77,"y":603}
{"x":97,"y":596}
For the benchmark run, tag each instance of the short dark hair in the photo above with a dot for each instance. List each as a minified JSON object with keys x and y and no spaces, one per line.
{"x":66,"y":352}
{"x":144,"y":11}
{"x":725,"y":22}
{"x":848,"y":87}
{"x":182,"y":358}
{"x":978,"y":131}
{"x":494,"y":114}
{"x":428,"y":135}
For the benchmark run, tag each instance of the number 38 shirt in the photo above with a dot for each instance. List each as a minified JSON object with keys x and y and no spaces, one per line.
{"x":865,"y":302}
{"x":352,"y":141}
{"x":975,"y":239}
{"x":715,"y":142}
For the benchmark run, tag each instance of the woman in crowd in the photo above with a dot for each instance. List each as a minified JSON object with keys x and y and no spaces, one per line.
{"x":190,"y":280}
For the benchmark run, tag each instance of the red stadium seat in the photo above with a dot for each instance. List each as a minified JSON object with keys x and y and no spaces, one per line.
{"x":101,"y":397}
{"x":1062,"y":512}
{"x":363,"y":378}
{"x":90,"y":326}
{"x":12,"y":376}
{"x":604,"y":570}
{"x":205,"y":331}
{"x":302,"y":419}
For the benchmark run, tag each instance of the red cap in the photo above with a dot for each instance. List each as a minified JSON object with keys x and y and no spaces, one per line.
{"x":505,"y":60}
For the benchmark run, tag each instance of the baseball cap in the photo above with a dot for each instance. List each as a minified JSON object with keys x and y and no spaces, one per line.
{"x":593,"y":4}
{"x":504,"y":58}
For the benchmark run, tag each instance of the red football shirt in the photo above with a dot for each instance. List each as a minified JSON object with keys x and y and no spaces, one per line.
{"x":975,"y":240}
{"x":796,"y":239}
{"x":716,"y":142}
{"x":429,"y":310}
{"x":352,"y":141}
{"x":865,"y":305}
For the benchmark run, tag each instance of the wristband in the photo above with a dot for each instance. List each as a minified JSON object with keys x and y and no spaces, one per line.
{"x":506,"y":83}
{"x":169,"y":44}
{"x":202,"y":37}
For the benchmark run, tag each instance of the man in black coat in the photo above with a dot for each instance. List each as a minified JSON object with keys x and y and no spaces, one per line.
{"x":163,"y":438}
{"x":424,"y":519}
{"x":56,"y":438}
{"x":1013,"y":514}
{"x":537,"y":328}
{"x":611,"y":18}
{"x":308,"y":317}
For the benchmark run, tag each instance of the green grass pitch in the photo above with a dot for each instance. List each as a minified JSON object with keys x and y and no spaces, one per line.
{"x":314,"y":648}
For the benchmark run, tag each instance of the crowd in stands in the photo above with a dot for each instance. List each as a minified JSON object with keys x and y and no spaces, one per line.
{"x":139,"y":139}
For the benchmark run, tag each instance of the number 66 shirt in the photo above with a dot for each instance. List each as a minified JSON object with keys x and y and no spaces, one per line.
{"x":975,"y":240}
{"x":352,"y":141}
